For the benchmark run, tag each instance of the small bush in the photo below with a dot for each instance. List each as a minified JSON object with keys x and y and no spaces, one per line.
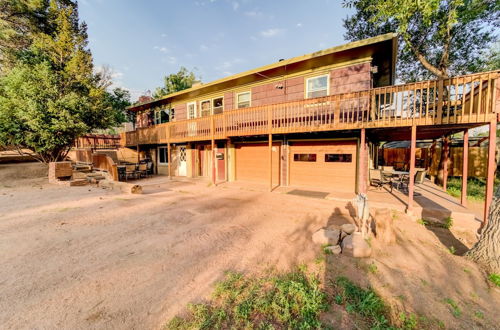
{"x":408,"y":322}
{"x":495,"y":278}
{"x":448,"y":223}
{"x":452,"y":249}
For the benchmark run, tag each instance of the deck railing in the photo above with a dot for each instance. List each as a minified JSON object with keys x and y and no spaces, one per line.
{"x":464,"y":99}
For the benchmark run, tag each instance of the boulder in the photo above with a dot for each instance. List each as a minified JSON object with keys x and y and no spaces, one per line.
{"x":335,"y":249}
{"x":326,"y":236}
{"x":348,"y":228}
{"x":355,"y":246}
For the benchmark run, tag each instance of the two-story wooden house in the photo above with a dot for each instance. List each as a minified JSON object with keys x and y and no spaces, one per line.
{"x":309,"y":121}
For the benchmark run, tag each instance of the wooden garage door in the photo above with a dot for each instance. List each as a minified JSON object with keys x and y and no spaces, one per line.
{"x":329,"y":165}
{"x":252,"y":162}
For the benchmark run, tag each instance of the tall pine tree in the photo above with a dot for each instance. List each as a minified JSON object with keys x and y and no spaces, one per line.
{"x":51,"y":95}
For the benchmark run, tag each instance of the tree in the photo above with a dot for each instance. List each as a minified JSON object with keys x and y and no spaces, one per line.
{"x":51,"y":95}
{"x":175,"y":82}
{"x":438,"y":38}
{"x":486,"y":251}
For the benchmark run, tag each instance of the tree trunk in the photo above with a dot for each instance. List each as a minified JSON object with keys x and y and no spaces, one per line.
{"x":486,"y":252}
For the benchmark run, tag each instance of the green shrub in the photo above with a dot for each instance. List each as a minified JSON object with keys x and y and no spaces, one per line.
{"x":495,"y":278}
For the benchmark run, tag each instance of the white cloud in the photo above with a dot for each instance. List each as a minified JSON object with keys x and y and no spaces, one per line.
{"x":204,"y":47}
{"x":235,"y":5}
{"x":269,"y":33}
{"x":162,"y":49}
{"x":169,"y":59}
{"x":299,"y":25}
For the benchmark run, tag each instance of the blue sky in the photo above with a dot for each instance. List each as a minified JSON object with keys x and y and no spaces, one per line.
{"x":142,"y":41}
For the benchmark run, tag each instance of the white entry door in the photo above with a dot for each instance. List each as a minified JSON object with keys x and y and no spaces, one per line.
{"x":182,"y":170}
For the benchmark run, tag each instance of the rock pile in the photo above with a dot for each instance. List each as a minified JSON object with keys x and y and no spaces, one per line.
{"x":343,"y":239}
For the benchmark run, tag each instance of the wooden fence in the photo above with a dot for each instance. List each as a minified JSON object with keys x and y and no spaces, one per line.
{"x":97,"y":141}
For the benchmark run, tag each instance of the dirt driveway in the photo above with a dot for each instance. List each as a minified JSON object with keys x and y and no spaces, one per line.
{"x":85,"y":257}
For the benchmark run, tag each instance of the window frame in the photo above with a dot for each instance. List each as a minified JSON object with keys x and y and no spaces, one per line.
{"x":306,"y":89}
{"x":305,"y":161}
{"x":249,"y":99}
{"x":213,"y":107}
{"x":209,"y":110}
{"x":195,"y":115}
{"x":166,"y":156}
{"x":339,"y":154}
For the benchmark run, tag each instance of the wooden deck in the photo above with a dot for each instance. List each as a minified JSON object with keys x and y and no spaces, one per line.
{"x":469,"y":99}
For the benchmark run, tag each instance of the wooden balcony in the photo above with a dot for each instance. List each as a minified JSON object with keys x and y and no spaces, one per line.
{"x":469,"y":99}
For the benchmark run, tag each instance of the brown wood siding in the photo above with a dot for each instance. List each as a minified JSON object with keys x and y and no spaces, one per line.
{"x":252,"y":163}
{"x":228,"y":101}
{"x":332,"y":175}
{"x":350,"y":79}
{"x":181,"y":111}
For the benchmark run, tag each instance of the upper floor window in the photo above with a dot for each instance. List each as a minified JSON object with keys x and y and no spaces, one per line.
{"x":161,"y":116}
{"x":218,"y":105}
{"x":243,"y":100}
{"x":317,"y":86}
{"x":191,"y":110}
{"x":205,"y":108}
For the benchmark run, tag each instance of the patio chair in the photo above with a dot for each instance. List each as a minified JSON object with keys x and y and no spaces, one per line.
{"x":143,"y":170}
{"x":149,"y":165}
{"x":130,"y":172}
{"x":378,"y":179}
{"x":420,"y":176}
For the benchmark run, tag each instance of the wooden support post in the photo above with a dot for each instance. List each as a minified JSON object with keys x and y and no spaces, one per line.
{"x":270,"y":162}
{"x":363,"y":163}
{"x":411,"y":185}
{"x":465,"y":168}
{"x":212,"y":130}
{"x":213,"y":161}
{"x":169,"y":160}
{"x":490,"y":174}
{"x":138,"y":154}
{"x":446,"y":152}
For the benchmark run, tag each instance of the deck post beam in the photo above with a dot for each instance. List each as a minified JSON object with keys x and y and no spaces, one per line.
{"x":465,"y":168}
{"x":169,"y":161}
{"x":411,"y":184}
{"x":138,"y":154}
{"x":446,"y":160}
{"x":490,"y":174}
{"x":213,"y":150}
{"x":270,"y":162}
{"x":363,"y":160}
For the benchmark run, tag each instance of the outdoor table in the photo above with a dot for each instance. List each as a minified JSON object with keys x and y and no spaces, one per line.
{"x":396,"y":176}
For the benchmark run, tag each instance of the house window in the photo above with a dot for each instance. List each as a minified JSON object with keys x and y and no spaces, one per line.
{"x":191,"y":110}
{"x":205,"y":108}
{"x":304,"y":157}
{"x":161,"y":116}
{"x":218,"y":105}
{"x":338,"y":158}
{"x":243,"y":100}
{"x":162,"y":156}
{"x":317,"y":86}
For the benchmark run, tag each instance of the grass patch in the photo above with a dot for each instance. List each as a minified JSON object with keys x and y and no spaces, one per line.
{"x":290,"y":300}
{"x":408,"y":321}
{"x":455,"y":310}
{"x":452,"y":249}
{"x":364,"y":302}
{"x":495,"y":278}
{"x":475,"y":187}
